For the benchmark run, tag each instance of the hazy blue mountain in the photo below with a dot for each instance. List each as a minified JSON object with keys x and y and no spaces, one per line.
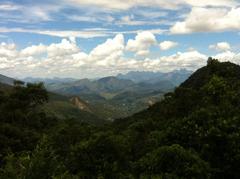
{"x":86,"y":86}
{"x":109,"y":85}
{"x":175,"y":77}
{"x":6,"y":80}
{"x":118,"y":96}
{"x":60,"y":106}
{"x":112,"y":97}
{"x":48,"y":80}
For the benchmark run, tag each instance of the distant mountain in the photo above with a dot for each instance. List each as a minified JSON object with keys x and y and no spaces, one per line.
{"x":117,"y":96}
{"x":109,"y":86}
{"x":48,"y":80}
{"x":103,"y":85}
{"x":112,"y":97}
{"x":60,"y":106}
{"x":6,"y":80}
{"x":175,"y":77}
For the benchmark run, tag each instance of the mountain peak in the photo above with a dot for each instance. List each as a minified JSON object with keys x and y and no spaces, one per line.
{"x":227,"y":70}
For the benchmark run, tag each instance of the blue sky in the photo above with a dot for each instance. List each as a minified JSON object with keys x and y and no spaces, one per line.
{"x":89,"y":38}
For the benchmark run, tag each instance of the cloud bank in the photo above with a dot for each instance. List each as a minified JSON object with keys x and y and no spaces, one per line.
{"x":66,"y":59}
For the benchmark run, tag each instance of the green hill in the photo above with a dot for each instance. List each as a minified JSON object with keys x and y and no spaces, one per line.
{"x":202,"y":115}
{"x":113,"y":98}
{"x":193,"y":132}
{"x":61,"y":107}
{"x":58,"y":106}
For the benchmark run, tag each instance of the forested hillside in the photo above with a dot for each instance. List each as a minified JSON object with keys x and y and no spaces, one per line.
{"x":194,"y":132}
{"x":111,"y":97}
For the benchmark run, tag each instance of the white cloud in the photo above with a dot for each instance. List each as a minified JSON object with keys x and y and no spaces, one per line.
{"x":9,"y":7}
{"x":65,"y":59}
{"x":165,"y":4}
{"x":85,"y":33}
{"x":8,"y":53}
{"x":190,"y":60}
{"x":131,"y":21}
{"x":153,"y":31}
{"x":225,"y":56}
{"x":166,"y":45}
{"x":202,"y":3}
{"x":141,"y":44}
{"x":25,"y":13}
{"x":66,"y":47}
{"x":8,"y":50}
{"x":221,"y":46}
{"x":34,"y":50}
{"x":228,"y":56}
{"x":208,"y":20}
{"x":125,"y":4}
{"x":109,"y":52}
{"x":96,"y":11}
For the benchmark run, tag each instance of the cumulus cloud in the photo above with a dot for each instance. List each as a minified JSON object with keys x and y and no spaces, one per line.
{"x":8,"y":50}
{"x":109,"y":52}
{"x":65,"y":47}
{"x":227,"y":56}
{"x":221,"y":46}
{"x":66,"y":59}
{"x":190,"y":60}
{"x":166,"y":45}
{"x":141,"y":44}
{"x":8,"y":53}
{"x":208,"y":20}
{"x":34,"y":50}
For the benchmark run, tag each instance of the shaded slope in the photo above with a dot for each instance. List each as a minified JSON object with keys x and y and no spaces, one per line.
{"x":202,"y":115}
{"x":62,"y":107}
{"x":6,"y":80}
{"x":226,"y":70}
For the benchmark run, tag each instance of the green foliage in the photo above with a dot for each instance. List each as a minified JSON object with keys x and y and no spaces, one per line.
{"x":21,"y":121}
{"x":194,"y":132}
{"x":41,"y":163}
{"x":173,"y":161}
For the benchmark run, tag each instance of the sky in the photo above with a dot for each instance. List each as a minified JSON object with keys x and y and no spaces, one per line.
{"x":96,"y":38}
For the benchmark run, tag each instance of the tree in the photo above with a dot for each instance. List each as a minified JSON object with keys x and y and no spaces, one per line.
{"x":173,"y":161}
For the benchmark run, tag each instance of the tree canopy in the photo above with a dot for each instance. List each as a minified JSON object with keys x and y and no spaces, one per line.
{"x":194,"y":132}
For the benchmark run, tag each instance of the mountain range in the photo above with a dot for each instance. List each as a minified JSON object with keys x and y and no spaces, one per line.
{"x":109,"y":97}
{"x":122,"y":95}
{"x":176,"y":77}
{"x":193,"y":132}
{"x":6,"y":80}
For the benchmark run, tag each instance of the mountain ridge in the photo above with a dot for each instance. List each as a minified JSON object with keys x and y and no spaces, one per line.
{"x":6,"y":80}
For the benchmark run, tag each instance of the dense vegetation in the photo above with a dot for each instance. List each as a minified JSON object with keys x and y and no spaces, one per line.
{"x":194,"y":132}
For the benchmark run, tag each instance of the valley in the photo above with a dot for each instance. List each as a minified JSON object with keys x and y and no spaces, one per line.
{"x":117,"y":96}
{"x":196,"y":126}
{"x":120,"y":89}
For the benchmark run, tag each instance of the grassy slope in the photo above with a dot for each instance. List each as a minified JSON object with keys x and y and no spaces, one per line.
{"x":61,"y":107}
